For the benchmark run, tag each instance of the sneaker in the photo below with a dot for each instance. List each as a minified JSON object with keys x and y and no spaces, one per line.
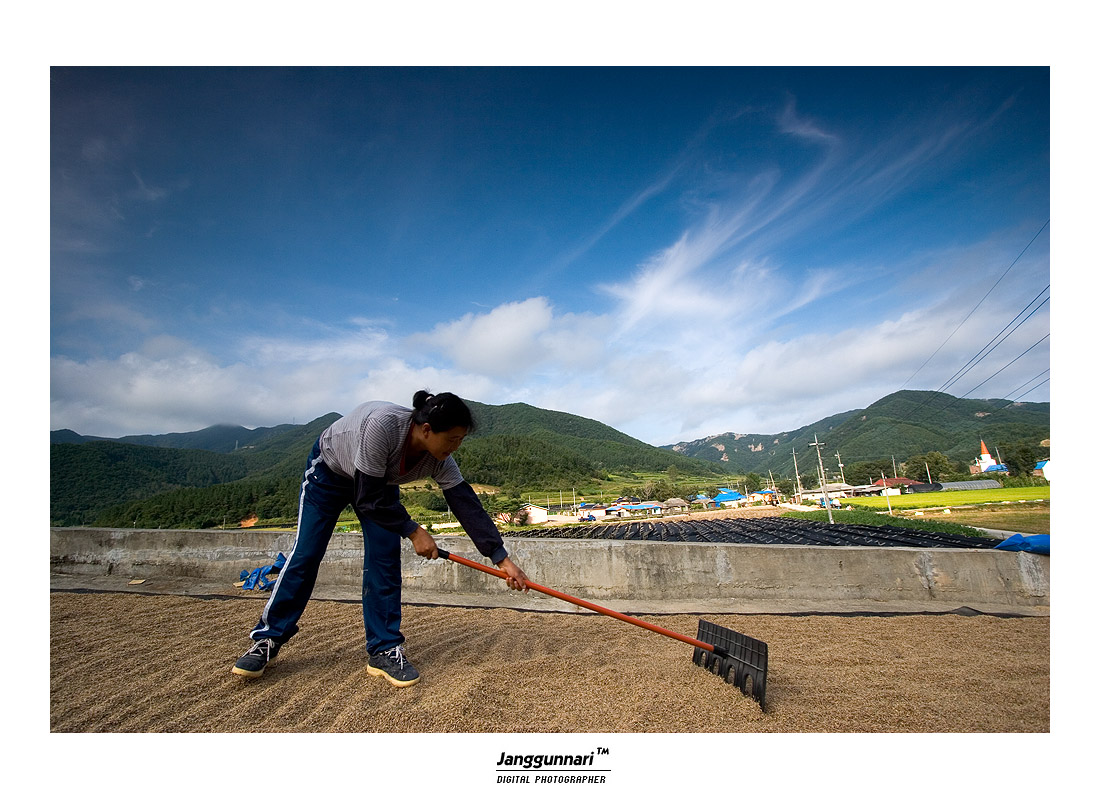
{"x":252,"y":663}
{"x":393,"y":666}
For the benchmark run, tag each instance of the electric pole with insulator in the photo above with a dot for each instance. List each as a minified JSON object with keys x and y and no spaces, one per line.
{"x":797,"y":477}
{"x":821,"y":471}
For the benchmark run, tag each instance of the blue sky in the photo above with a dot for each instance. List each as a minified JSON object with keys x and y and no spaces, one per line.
{"x":674,"y":252}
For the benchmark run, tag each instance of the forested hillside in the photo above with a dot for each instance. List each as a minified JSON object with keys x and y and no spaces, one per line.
{"x":216,"y":438}
{"x":521,"y":446}
{"x":520,"y":418}
{"x":87,"y":478}
{"x":899,"y":425}
{"x":516,"y":446}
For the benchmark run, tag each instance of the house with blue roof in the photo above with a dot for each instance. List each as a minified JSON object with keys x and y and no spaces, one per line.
{"x":729,"y":498}
{"x":630,"y":509}
{"x":769,"y":496}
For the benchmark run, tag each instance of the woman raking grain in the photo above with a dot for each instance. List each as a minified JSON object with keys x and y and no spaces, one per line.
{"x":362,"y":459}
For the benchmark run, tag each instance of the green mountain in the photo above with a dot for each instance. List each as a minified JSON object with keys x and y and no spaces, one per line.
{"x":91,"y":475}
{"x":87,"y":478}
{"x":520,"y":419}
{"x":199,"y":479}
{"x":523,"y":446}
{"x":217,"y":438}
{"x":900,"y":425}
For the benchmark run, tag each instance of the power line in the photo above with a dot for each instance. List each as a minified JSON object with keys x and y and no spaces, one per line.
{"x":998,"y":372}
{"x":983,"y":353}
{"x":975,"y":308}
{"x":984,"y":421}
{"x":1029,"y":391}
{"x":1025,"y":383}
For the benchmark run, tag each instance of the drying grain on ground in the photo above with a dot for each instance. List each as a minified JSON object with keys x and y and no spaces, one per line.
{"x":151,"y":663}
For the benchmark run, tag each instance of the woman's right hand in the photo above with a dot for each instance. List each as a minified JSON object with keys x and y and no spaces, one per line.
{"x":516,"y":579}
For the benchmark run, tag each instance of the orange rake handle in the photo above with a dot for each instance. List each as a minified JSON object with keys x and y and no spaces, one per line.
{"x":710,"y":648}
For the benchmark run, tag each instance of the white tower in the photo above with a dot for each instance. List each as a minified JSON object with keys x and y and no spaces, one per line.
{"x":985,"y":460}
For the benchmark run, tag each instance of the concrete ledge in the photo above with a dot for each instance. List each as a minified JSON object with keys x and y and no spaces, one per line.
{"x":628,"y":576}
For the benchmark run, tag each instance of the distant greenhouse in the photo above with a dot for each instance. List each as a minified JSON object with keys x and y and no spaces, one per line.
{"x":965,"y":486}
{"x":952,"y":486}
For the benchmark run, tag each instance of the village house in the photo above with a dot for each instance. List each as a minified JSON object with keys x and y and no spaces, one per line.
{"x":675,"y":505}
{"x":595,"y":510}
{"x":768,"y":496}
{"x":632,"y":509}
{"x":727,"y":498}
{"x":536,"y":515}
{"x":834,"y":490}
{"x":889,"y":486}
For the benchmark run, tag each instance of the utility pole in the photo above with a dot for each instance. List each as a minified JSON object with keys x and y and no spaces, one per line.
{"x":886,"y":491}
{"x":797,"y":477}
{"x":821,"y":471}
{"x":895,"y":463}
{"x":841,"y":467}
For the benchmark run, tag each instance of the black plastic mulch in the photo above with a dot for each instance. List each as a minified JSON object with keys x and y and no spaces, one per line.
{"x":771,"y":530}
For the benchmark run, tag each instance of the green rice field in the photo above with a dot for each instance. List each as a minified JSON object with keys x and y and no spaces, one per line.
{"x":952,"y":499}
{"x":1023,"y":510}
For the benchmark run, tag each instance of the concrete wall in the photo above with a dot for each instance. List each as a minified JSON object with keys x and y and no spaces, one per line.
{"x":632,"y":577}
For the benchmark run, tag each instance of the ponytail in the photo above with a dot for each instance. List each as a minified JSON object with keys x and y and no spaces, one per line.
{"x":442,"y":411}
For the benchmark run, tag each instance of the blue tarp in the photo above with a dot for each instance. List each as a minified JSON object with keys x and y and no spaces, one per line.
{"x":1039,"y":543}
{"x":258,"y":578}
{"x":728,"y":497}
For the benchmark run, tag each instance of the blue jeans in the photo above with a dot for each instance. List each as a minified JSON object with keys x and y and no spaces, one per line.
{"x":323,"y":497}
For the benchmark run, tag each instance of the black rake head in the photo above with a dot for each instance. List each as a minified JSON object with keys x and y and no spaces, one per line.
{"x":737,"y":659}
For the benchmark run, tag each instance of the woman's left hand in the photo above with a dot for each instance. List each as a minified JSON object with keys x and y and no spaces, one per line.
{"x":516,"y":579}
{"x":423,"y":543}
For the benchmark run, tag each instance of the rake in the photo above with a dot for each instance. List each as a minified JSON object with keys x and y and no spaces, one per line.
{"x":734,"y":657}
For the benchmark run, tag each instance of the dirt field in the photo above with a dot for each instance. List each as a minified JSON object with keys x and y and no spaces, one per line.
{"x":162,"y":663}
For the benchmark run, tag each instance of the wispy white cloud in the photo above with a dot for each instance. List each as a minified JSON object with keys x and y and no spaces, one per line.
{"x":714,"y":332}
{"x":795,"y":124}
{"x":171,"y":385}
{"x":623,"y":212}
{"x":326,"y":344}
{"x":668,"y":381}
{"x":146,"y":193}
{"x":506,"y":341}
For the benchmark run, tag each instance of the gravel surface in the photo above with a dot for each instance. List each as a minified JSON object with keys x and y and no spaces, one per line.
{"x":157,"y":663}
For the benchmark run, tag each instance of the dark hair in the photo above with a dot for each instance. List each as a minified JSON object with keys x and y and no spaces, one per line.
{"x":442,"y":411}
